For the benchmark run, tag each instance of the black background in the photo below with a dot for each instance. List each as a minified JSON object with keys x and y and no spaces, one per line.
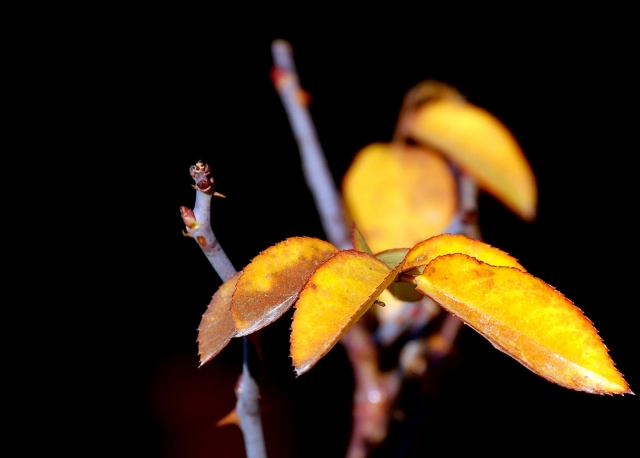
{"x":158,"y":92}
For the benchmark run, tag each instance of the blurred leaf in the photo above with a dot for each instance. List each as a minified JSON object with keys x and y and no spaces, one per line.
{"x":217,"y":326}
{"x":338,"y":293}
{"x":392,"y":305}
{"x":271,"y":282}
{"x":392,"y":257}
{"x":526,"y":318}
{"x":399,"y":194}
{"x":400,"y":290}
{"x":404,"y":291}
{"x":359,"y":243}
{"x":424,"y":252}
{"x":481,"y":146}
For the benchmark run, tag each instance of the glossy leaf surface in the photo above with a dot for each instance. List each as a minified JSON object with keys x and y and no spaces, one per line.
{"x":273,"y":279}
{"x":483,"y":147}
{"x":217,"y":326}
{"x":399,"y":195}
{"x":526,"y":318}
{"x":424,"y":252}
{"x":338,"y":293}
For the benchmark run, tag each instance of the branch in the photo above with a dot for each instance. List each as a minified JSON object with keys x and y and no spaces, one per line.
{"x":314,"y":164}
{"x":369,"y":415}
{"x":374,"y":395}
{"x":375,"y":391}
{"x":198,"y":222}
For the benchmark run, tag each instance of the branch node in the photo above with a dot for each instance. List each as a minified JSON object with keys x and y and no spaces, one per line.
{"x":200,"y":174}
{"x":189,"y":218}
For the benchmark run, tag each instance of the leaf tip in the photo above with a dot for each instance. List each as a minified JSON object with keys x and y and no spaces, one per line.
{"x":298,"y":368}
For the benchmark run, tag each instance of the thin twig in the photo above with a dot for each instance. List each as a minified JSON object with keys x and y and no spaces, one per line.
{"x":367,"y":428}
{"x":198,"y":223}
{"x":314,"y":164}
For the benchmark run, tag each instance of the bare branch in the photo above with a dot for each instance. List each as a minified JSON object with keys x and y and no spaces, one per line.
{"x":198,"y":223}
{"x":369,"y":412}
{"x":314,"y":164}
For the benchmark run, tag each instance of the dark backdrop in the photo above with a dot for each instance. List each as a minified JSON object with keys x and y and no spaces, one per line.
{"x":171,"y":90}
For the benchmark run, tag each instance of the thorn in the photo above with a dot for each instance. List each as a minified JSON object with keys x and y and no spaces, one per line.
{"x":303,"y":97}
{"x":230,"y":419}
{"x":186,"y":234}
{"x":217,"y":194}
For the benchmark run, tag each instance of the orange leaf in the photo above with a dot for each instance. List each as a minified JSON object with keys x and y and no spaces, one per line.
{"x":483,"y":147}
{"x":217,"y":326}
{"x":272,"y":280}
{"x":399,"y":194}
{"x":338,"y":293}
{"x":424,"y":252}
{"x":526,"y":318}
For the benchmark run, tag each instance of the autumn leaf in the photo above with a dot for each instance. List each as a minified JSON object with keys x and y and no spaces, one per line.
{"x":424,"y":252}
{"x":272,"y":281}
{"x":338,"y":293}
{"x":399,"y":194}
{"x":217,"y":326}
{"x":526,"y":318}
{"x":481,"y":146}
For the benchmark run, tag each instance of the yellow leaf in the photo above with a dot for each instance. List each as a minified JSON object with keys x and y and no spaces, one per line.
{"x":217,"y":326}
{"x":526,"y":318}
{"x":481,"y":146}
{"x":399,"y":194}
{"x":272,"y":281}
{"x":424,"y":252}
{"x":338,"y":293}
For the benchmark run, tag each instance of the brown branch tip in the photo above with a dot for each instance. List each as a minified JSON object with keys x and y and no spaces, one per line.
{"x":200,"y":174}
